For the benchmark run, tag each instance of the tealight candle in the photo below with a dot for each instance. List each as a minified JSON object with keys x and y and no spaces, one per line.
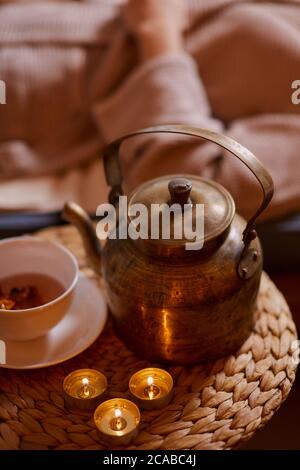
{"x":84,"y":389}
{"x":151,"y":388}
{"x":117,"y":421}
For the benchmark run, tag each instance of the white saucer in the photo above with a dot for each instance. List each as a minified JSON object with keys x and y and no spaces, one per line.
{"x":79,"y":328}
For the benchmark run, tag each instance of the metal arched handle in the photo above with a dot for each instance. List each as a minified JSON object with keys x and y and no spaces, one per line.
{"x":114,"y":175}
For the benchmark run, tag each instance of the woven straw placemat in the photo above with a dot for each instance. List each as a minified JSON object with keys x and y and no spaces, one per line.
{"x":215,"y":406}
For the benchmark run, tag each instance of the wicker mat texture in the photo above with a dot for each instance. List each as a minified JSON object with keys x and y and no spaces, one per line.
{"x":215,"y":406}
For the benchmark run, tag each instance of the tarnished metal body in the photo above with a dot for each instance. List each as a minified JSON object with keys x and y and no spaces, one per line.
{"x":183,"y":311}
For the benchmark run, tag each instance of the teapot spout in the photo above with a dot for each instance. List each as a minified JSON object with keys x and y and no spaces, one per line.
{"x":78,"y":217}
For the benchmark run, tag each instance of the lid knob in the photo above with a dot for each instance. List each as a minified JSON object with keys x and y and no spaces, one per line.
{"x":180,"y":189}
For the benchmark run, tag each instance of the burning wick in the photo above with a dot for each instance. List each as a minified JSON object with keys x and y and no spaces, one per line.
{"x":151,"y":391}
{"x":84,"y":391}
{"x":118,"y":423}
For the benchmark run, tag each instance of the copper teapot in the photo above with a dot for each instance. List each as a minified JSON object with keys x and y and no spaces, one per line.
{"x":167,"y":303}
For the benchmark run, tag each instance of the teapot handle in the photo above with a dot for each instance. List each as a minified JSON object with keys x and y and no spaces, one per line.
{"x":246,"y":267}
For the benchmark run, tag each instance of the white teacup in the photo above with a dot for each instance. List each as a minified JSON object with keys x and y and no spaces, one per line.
{"x":34,"y":255}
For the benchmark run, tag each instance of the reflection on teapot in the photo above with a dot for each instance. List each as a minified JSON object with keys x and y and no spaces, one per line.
{"x":169,"y":303}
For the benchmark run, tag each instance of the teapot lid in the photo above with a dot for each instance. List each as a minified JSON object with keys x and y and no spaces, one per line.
{"x":217,"y":210}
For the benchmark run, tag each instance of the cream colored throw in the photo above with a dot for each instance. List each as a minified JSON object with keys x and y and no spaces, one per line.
{"x":74,"y":83}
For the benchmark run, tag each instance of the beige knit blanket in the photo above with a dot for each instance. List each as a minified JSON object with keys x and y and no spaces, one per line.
{"x":74,"y":83}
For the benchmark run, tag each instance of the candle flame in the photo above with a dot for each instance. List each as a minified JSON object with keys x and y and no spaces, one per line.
{"x":118,"y":423}
{"x":150,"y":381}
{"x":151,"y":391}
{"x":85,"y":381}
